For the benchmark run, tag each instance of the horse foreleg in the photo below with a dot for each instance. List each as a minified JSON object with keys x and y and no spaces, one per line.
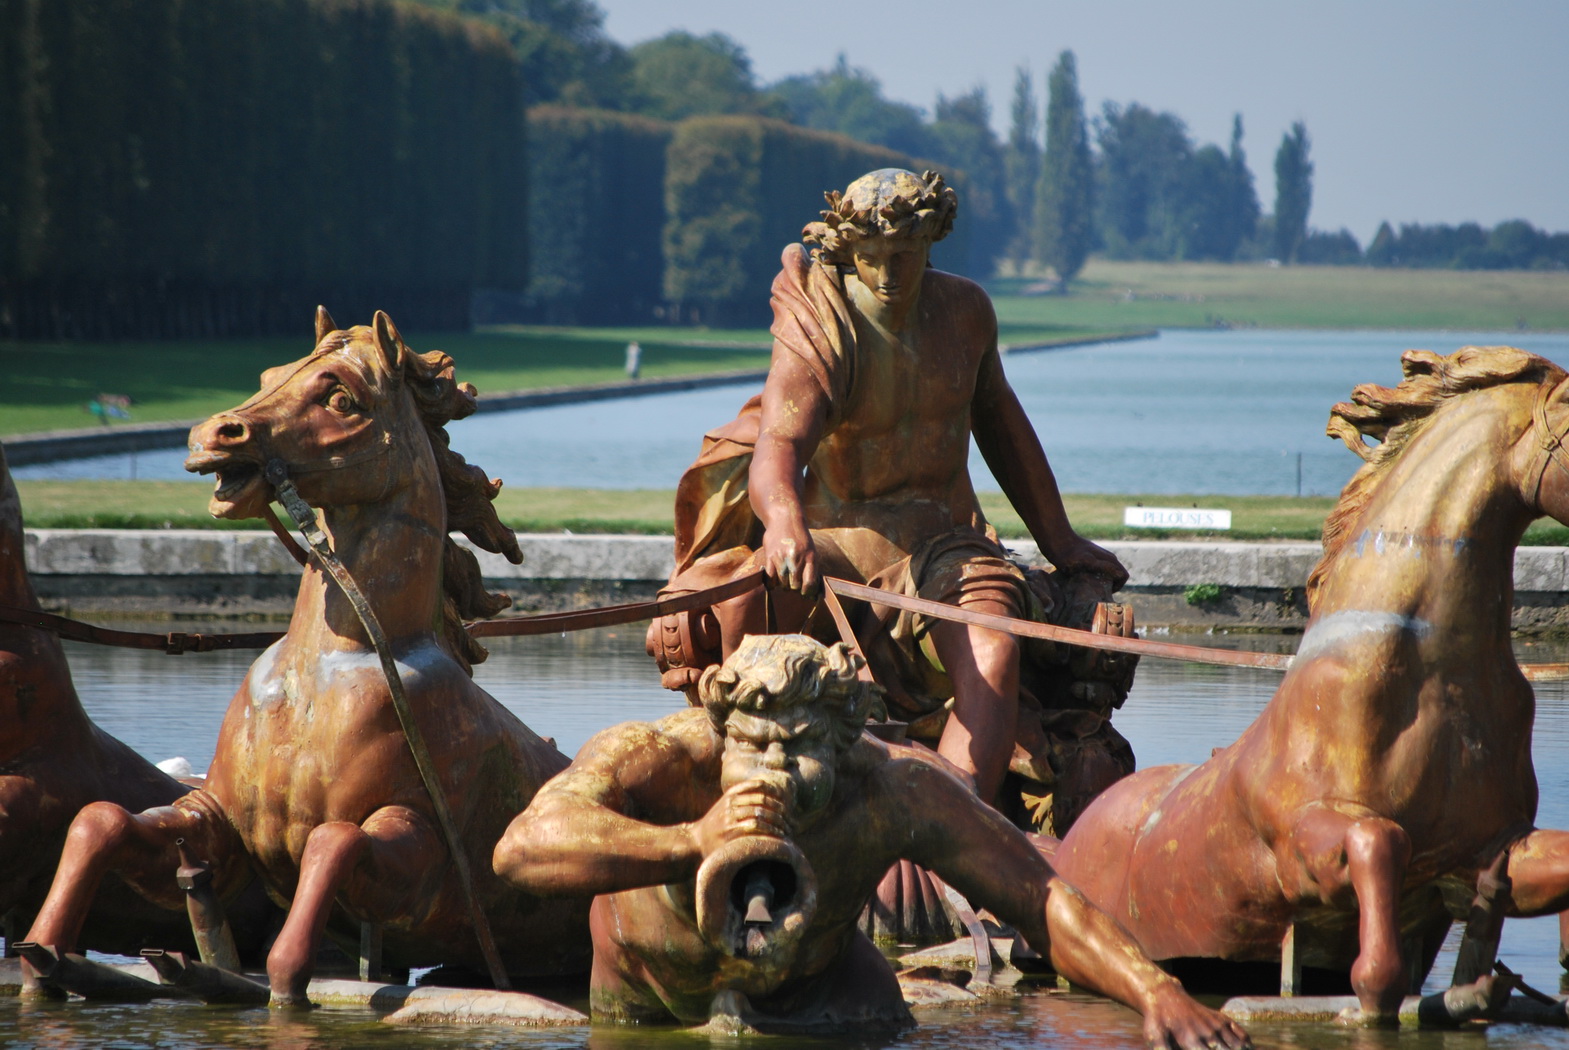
{"x":1367,"y":856}
{"x":384,"y":867}
{"x":139,"y":847}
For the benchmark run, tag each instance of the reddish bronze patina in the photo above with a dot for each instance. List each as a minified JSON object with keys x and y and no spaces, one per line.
{"x":733,"y":848}
{"x":313,"y":781}
{"x":854,"y":463}
{"x":1394,"y":762}
{"x":54,"y":761}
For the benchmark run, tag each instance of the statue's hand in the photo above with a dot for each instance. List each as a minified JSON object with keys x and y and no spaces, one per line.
{"x":752,"y":807}
{"x":790,"y":558}
{"x":1175,"y":1021}
{"x":1080,"y":555}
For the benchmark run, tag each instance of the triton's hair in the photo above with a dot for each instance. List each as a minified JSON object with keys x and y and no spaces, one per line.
{"x":772,"y":673}
{"x":889,"y":202}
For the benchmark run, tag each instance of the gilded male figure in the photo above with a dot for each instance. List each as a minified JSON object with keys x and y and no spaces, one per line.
{"x":859,"y":445}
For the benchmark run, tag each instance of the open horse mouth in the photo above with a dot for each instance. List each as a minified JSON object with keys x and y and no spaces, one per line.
{"x":236,"y":479}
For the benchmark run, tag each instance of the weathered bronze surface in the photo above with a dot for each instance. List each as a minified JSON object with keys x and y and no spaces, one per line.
{"x":853,"y":463}
{"x":54,"y":761}
{"x":1393,"y":764}
{"x":313,"y":782}
{"x":733,"y":848}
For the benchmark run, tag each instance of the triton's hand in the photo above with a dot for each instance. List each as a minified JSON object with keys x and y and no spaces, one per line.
{"x":1175,"y":1022}
{"x":790,"y":559}
{"x":752,"y":807}
{"x":1080,"y":555}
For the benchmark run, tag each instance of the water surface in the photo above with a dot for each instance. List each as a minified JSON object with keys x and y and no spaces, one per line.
{"x":1190,"y":412}
{"x":571,"y":686}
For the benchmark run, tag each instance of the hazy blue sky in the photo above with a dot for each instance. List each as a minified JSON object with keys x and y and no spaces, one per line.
{"x":1419,"y":110}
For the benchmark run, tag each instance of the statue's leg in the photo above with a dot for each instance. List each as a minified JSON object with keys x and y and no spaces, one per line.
{"x":1539,"y":874}
{"x":984,"y":667}
{"x":1367,"y":856}
{"x":139,"y":847}
{"x":384,"y":865}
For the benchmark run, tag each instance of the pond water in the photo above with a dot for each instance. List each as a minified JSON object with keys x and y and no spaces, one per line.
{"x":570,"y":686}
{"x":1230,"y":413}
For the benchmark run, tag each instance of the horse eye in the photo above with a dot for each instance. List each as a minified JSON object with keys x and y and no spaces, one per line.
{"x":341,"y":402}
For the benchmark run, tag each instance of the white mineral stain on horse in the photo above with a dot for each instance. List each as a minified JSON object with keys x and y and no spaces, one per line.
{"x":1350,"y":625}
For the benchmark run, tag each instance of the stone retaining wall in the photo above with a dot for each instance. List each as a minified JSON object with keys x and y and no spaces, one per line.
{"x":198,"y":572}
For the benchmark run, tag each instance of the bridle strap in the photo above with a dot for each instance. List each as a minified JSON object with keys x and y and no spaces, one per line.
{"x":1549,"y":445}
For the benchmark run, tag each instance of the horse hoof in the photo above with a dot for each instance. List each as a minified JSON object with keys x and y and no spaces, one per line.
{"x":290,"y":1001}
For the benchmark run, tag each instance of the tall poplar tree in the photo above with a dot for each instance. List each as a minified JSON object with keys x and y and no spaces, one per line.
{"x":1293,"y":192}
{"x":1022,"y":167}
{"x":1064,"y":209}
{"x":1244,"y":210}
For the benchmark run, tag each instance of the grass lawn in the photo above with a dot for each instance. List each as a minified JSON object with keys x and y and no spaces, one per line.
{"x":1182,"y":295}
{"x":183,"y":504}
{"x":48,"y":384}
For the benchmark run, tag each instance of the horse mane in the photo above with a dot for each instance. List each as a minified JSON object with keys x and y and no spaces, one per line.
{"x":1393,"y":416}
{"x":466,"y":489}
{"x":469,"y":493}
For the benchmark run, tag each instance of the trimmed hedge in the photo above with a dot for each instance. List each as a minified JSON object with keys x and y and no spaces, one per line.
{"x":176,"y":168}
{"x":596,"y":215}
{"x":737,"y":190}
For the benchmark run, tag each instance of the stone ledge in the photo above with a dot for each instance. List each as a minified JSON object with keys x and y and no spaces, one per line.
{"x":565,"y":556}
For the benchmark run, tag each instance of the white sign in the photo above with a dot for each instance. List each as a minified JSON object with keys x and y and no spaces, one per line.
{"x":1175,"y":518}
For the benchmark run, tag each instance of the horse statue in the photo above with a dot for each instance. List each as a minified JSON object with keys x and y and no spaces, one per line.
{"x":54,"y":760}
{"x":314,"y":781}
{"x":1393,"y":765}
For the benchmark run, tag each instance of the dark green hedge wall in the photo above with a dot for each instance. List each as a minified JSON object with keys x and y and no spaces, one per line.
{"x":190,"y":167}
{"x":596,"y":214}
{"x":737,"y":190}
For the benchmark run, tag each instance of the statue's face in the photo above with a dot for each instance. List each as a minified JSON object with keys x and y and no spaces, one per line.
{"x":891,"y":268}
{"x":795,"y":743}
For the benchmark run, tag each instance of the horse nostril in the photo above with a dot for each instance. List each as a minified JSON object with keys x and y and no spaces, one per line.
{"x":233,"y":430}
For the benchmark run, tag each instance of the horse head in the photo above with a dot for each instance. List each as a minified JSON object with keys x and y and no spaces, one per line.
{"x":344,"y":422}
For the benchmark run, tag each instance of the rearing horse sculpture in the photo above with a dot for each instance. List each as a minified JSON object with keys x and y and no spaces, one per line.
{"x":54,"y":761}
{"x":313,"y":780}
{"x":1396,"y":755}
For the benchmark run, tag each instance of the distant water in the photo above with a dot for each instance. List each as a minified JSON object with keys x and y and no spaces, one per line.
{"x":1229,"y":413}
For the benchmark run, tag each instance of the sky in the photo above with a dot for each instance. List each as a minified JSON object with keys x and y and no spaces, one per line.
{"x":1418,"y":110}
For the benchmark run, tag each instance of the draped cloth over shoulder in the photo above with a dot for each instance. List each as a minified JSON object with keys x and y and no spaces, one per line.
{"x":811,"y":322}
{"x":1064,"y":728}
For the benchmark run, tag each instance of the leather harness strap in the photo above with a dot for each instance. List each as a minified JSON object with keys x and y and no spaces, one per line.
{"x":305,"y":518}
{"x":1549,"y":445}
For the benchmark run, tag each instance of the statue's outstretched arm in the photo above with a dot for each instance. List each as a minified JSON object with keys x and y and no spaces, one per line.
{"x":971,"y":846}
{"x":1013,"y":451}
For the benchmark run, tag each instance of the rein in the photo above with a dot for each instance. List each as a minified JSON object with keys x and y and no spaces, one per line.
{"x":177,"y":642}
{"x":305,"y":518}
{"x":1549,"y":445}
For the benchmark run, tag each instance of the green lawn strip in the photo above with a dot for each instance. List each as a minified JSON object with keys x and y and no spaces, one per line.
{"x":183,"y":505}
{"x":1139,"y":294}
{"x":48,"y":384}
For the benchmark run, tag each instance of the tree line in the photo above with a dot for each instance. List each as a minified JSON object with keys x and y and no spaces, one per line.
{"x":170,"y":168}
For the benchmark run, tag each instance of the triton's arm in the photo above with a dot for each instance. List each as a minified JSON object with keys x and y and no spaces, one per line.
{"x":971,"y":845}
{"x":579,"y":836}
